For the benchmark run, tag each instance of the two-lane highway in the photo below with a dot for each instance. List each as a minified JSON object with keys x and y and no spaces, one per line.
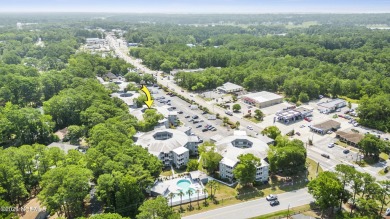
{"x":257,"y":207}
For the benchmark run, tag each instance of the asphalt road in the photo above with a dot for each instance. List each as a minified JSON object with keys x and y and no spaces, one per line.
{"x":314,"y":152}
{"x":257,"y":207}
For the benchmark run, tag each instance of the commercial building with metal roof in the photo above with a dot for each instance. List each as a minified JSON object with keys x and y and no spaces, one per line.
{"x":262,"y":99}
{"x":331,"y":105}
{"x":230,"y":88}
{"x":292,"y":115}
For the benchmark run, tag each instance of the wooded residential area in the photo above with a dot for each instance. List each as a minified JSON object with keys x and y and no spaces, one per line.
{"x":46,"y":87}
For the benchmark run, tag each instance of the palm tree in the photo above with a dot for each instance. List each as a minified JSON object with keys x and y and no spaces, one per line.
{"x":197,"y":192}
{"x":171,"y":196}
{"x":190,"y":192}
{"x":211,"y":184}
{"x":205,"y":197}
{"x":225,"y":120}
{"x":215,"y":187}
{"x":181,"y":194}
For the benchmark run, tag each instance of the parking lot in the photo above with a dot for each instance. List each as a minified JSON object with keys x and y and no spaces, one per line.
{"x":184,"y":107}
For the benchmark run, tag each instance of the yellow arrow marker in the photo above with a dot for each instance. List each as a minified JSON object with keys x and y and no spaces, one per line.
{"x":148,"y":100}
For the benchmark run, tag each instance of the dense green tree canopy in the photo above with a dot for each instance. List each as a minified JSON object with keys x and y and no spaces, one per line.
{"x":245,"y":171}
{"x":156,"y":208}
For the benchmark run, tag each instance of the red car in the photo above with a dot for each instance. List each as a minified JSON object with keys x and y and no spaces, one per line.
{"x":308,"y":119}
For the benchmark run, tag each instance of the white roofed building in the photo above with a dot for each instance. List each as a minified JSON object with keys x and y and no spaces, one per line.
{"x":230,"y":88}
{"x":181,"y":156}
{"x":171,"y":146}
{"x":170,"y":115}
{"x":233,"y":146}
{"x":262,"y":99}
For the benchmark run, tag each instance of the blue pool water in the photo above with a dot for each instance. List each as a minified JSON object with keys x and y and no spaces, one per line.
{"x":184,"y":184}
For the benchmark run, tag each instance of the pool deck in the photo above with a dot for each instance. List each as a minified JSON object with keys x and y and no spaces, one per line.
{"x":169,"y":185}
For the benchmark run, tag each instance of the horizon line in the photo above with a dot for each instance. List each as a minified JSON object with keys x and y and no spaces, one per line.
{"x":194,"y":13}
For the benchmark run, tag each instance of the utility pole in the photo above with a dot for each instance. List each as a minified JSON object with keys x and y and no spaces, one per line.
{"x":288,"y":211}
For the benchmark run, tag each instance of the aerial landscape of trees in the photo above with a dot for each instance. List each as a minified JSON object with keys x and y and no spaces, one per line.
{"x":303,"y":63}
{"x":366,"y":197}
{"x":47,"y":84}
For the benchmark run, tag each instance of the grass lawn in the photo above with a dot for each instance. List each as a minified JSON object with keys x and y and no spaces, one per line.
{"x":342,"y":144}
{"x":226,"y":195}
{"x":384,"y":156}
{"x":253,"y":119}
{"x":382,"y":171}
{"x":284,"y":213}
{"x":312,"y":167}
{"x":178,"y":171}
{"x":166,"y":173}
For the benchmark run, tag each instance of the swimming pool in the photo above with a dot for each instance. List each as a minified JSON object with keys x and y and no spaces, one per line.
{"x":184,"y":184}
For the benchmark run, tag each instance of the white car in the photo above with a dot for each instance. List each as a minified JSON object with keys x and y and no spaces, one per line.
{"x":331,"y":145}
{"x":330,"y":132}
{"x":271,"y":197}
{"x":249,"y":127}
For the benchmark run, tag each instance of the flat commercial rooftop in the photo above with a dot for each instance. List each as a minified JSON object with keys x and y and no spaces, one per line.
{"x":263,"y":96}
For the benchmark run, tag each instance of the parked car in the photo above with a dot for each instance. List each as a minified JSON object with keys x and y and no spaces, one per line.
{"x":325,"y":155}
{"x":187,"y":116}
{"x":204,"y":112}
{"x":330,"y":132}
{"x":180,"y":112}
{"x":387,"y":213}
{"x":249,"y":127}
{"x":273,"y":203}
{"x":356,"y":124}
{"x":195,"y":116}
{"x":271,"y":197}
{"x":198,"y":126}
{"x":297,"y":133}
{"x":330,"y":145}
{"x":302,"y":126}
{"x":196,"y":121}
{"x":346,"y":151}
{"x":308,"y":119}
{"x":204,"y":130}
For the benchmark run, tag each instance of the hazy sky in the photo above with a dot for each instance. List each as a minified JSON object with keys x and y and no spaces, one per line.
{"x":197,"y":6}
